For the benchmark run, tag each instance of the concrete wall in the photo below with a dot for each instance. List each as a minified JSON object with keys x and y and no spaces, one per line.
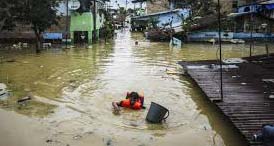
{"x":84,"y":22}
{"x":205,"y":36}
{"x":81,"y":22}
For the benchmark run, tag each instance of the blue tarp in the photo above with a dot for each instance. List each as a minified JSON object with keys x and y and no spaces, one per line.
{"x":270,"y":6}
{"x":52,"y":36}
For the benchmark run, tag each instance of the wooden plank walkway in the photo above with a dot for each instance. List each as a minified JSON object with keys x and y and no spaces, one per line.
{"x":246,"y":100}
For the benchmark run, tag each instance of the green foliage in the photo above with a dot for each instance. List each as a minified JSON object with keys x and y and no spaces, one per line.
{"x":7,"y":13}
{"x":108,"y":28}
{"x":199,"y":9}
{"x":40,"y":13}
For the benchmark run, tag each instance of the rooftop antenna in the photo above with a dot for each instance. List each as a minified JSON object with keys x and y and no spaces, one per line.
{"x":220,"y":48}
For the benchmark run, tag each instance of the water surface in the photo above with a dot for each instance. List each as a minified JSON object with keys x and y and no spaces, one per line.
{"x":74,"y":89}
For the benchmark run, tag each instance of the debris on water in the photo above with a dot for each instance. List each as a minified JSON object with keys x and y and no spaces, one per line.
{"x":11,"y":60}
{"x":234,"y":61}
{"x":205,"y":128}
{"x":49,"y":140}
{"x":108,"y":141}
{"x":90,"y":132}
{"x":23,"y":100}
{"x":77,"y":137}
{"x":237,"y":76}
{"x":133,"y":124}
{"x":3,"y":91}
{"x":243,"y":83}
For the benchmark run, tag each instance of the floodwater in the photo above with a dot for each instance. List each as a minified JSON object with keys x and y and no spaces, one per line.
{"x":73,"y":90}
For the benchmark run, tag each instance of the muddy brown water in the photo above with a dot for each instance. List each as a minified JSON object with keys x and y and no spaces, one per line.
{"x":73,"y":90}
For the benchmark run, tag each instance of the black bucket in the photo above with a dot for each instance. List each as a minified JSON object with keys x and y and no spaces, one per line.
{"x":157,"y":113}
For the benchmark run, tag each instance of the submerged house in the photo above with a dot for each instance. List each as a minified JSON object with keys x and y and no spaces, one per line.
{"x":83,"y":26}
{"x":166,"y":19}
{"x":162,"y":14}
{"x":77,"y":24}
{"x":257,"y":17}
{"x":248,"y":21}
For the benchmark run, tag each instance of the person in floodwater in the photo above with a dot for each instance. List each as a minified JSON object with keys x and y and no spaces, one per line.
{"x":133,"y":101}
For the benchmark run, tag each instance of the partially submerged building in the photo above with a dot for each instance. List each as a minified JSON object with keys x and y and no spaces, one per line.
{"x":162,"y":14}
{"x":166,"y":19}
{"x":247,"y":20}
{"x":84,"y":26}
{"x":257,"y":17}
{"x":76,"y":24}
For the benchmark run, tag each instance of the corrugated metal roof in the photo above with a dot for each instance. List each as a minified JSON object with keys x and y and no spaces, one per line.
{"x":159,"y":13}
{"x":232,"y":15}
{"x":267,"y":2}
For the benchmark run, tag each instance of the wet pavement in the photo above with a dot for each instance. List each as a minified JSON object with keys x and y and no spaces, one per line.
{"x":73,"y":89}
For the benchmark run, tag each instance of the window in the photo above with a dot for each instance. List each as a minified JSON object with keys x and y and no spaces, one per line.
{"x":234,"y":4}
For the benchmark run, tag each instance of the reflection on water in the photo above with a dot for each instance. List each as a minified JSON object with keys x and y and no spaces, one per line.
{"x":74,"y":89}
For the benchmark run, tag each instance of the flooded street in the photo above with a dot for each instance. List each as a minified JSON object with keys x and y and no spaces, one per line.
{"x":73,"y":90}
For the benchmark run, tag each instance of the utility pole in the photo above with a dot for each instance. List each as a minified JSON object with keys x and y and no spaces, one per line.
{"x":67,"y":21}
{"x":94,"y":37}
{"x":220,"y":48}
{"x":126,"y":13}
{"x":251,"y":46}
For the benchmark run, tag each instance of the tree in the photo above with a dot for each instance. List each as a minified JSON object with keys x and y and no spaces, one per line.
{"x":7,"y":13}
{"x":41,"y":14}
{"x":198,"y":10}
{"x":201,"y":7}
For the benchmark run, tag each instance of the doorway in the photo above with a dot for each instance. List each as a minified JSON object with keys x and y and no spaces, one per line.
{"x":80,"y":37}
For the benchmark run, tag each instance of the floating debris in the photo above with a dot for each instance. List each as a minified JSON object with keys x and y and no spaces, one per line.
{"x":77,"y":137}
{"x":49,"y":140}
{"x":23,"y":100}
{"x":3,"y":91}
{"x":234,"y":61}
{"x":108,"y":141}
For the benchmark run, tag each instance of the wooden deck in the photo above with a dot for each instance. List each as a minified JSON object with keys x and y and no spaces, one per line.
{"x":246,"y":100}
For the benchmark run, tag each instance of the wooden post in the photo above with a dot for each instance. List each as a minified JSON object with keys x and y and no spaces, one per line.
{"x":220,"y":47}
{"x":94,"y":37}
{"x":67,"y":21}
{"x":267,"y":50}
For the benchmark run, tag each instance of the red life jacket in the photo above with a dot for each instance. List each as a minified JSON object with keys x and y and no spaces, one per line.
{"x":136,"y":106}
